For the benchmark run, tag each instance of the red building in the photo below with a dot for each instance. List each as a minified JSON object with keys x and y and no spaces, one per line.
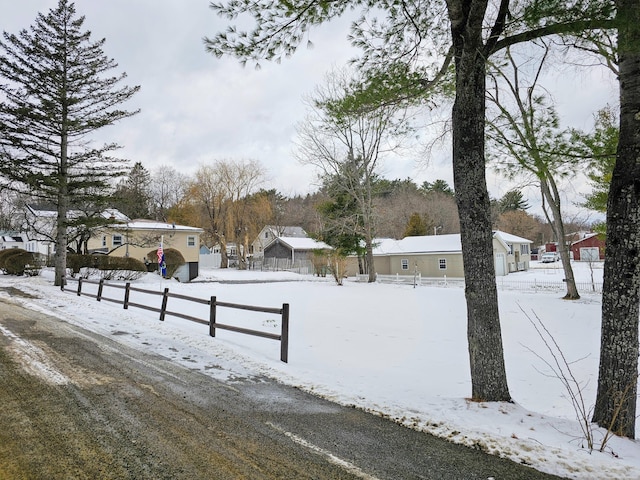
{"x":585,"y":248}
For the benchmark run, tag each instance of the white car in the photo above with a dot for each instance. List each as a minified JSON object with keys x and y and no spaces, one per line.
{"x":550,"y":257}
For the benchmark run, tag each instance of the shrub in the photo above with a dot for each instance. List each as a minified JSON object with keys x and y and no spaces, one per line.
{"x":120,"y":263}
{"x":76,"y":262}
{"x":20,"y":262}
{"x":6,"y":254}
{"x":110,"y":268}
{"x":172,"y":258}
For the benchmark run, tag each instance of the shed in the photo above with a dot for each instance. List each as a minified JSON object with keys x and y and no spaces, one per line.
{"x":295,"y":249}
{"x":589,"y":248}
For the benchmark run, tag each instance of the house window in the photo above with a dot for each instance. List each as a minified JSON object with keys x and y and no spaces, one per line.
{"x":442,"y":263}
{"x":524,"y":249}
{"x":405,"y":264}
{"x":104,"y":240}
{"x":266,"y":235}
{"x":116,"y":240}
{"x":510,"y":248}
{"x":191,"y":241}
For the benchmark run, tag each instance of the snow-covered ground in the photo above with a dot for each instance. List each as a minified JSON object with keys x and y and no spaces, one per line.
{"x":391,"y":349}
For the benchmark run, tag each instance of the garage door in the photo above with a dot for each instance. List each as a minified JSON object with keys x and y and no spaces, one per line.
{"x":501,"y":265}
{"x":589,"y":254}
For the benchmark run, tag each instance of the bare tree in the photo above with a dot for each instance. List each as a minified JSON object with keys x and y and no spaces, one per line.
{"x":220,"y":194}
{"x":346,"y":142}
{"x":168,"y":187}
{"x":241,"y":180}
{"x":527,"y":136}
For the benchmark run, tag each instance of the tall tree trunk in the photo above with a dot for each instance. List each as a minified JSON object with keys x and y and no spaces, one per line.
{"x":618,"y":372}
{"x":60,"y":260}
{"x":551,"y":194}
{"x":224,"y":258}
{"x":488,"y":375}
{"x":371,"y":269}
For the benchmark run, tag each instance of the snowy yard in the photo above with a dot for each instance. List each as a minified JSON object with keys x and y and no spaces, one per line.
{"x":394,"y":350}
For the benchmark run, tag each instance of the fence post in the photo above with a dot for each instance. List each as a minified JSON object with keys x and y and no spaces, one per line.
{"x":79,"y":286}
{"x":284,"y":340}
{"x":165,"y":297}
{"x":100,"y":285}
{"x":127,"y":289}
{"x":212,"y":317}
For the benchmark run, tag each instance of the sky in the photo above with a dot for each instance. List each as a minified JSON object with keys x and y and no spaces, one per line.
{"x":196,"y":108}
{"x":390,"y":349}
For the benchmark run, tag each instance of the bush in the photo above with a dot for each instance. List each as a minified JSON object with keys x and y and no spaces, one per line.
{"x":172,"y":258}
{"x":4,"y":254}
{"x":110,"y":268}
{"x":75,"y":262}
{"x":20,"y":262}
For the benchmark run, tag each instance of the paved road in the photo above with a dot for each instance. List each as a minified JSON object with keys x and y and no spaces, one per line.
{"x":75,"y":405}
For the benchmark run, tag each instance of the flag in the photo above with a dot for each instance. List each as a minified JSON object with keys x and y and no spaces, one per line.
{"x":163,"y":266}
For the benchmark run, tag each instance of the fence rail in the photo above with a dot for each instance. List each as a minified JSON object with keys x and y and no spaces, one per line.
{"x":503,"y":283}
{"x":283,"y":337}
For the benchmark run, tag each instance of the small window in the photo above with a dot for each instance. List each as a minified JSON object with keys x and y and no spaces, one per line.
{"x":442,"y":263}
{"x":191,"y":241}
{"x":524,"y":249}
{"x":405,"y":264}
{"x":266,"y":234}
{"x":104,"y":240}
{"x":116,"y":240}
{"x":510,"y":248}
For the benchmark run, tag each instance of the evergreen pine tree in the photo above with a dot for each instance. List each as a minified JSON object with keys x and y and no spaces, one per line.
{"x":133,"y":194}
{"x":56,"y":92}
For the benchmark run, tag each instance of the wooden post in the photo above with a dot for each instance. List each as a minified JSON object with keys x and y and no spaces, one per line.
{"x":212,"y":317}
{"x":100,"y":285}
{"x":79,"y":286}
{"x":165,"y":297}
{"x":284,"y":340}
{"x":127,"y":290}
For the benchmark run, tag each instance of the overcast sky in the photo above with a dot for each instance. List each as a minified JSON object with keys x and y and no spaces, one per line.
{"x":196,"y":108}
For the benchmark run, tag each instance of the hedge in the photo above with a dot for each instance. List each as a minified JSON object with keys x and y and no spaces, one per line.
{"x":104,"y":262}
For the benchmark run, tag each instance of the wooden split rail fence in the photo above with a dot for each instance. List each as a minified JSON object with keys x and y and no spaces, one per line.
{"x":213,"y":303}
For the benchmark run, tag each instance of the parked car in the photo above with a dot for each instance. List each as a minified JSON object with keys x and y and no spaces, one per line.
{"x":550,"y":257}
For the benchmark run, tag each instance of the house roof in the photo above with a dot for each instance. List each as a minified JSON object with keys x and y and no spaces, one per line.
{"x":450,"y":243}
{"x":11,"y":238}
{"x":49,"y":210}
{"x":418,"y":244}
{"x":303,"y":243}
{"x":509,"y":238}
{"x":286,"y":231}
{"x":586,"y":237}
{"x":141,"y":224}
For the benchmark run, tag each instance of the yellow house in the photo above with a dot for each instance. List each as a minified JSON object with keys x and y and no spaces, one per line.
{"x":136,"y":238}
